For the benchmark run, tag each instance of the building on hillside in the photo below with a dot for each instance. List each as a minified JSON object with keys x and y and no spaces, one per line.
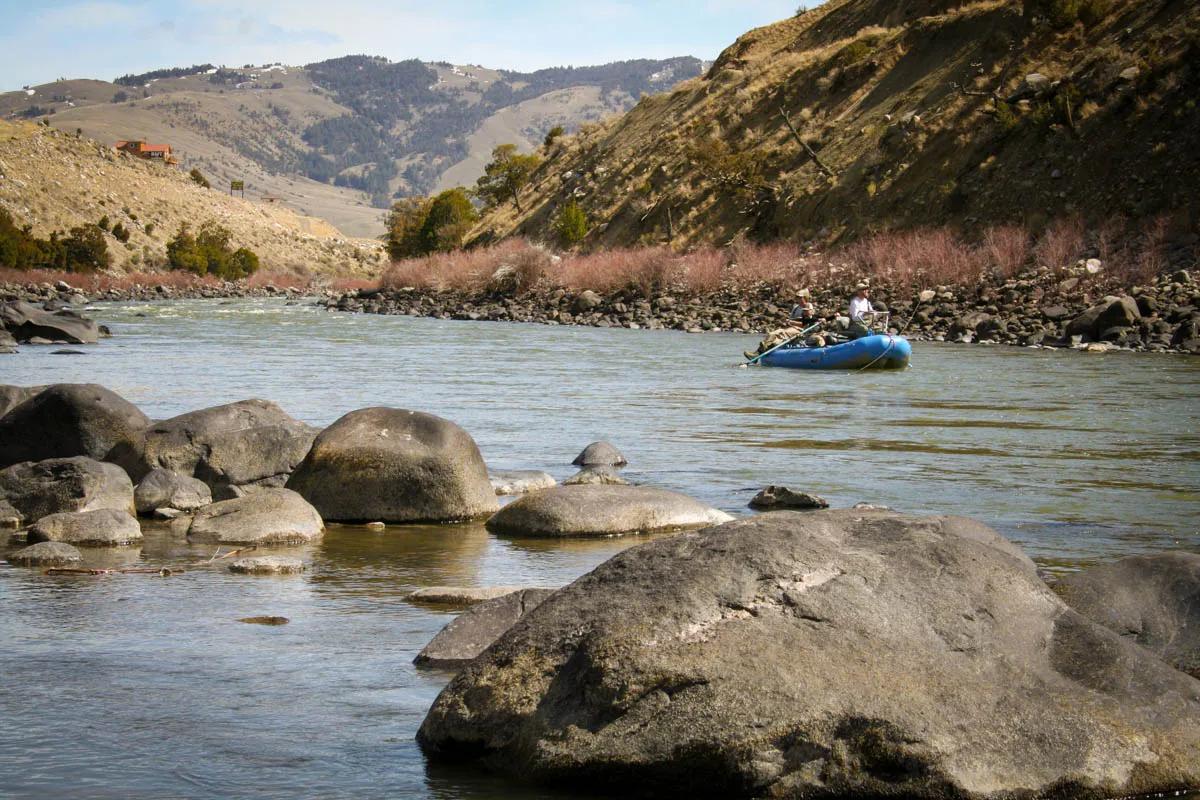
{"x":150,"y":152}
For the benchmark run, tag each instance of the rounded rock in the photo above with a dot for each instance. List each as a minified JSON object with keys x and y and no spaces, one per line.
{"x":68,"y":419}
{"x":600,"y":454}
{"x":267,"y":565}
{"x":600,"y":510}
{"x":164,"y":489}
{"x":395,"y":465}
{"x":103,"y":527}
{"x":265,"y":517}
{"x":47,"y":554}
{"x":39,"y":488}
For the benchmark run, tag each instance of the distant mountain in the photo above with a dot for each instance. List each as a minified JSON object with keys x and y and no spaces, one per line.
{"x":905,"y":114}
{"x":341,"y":138}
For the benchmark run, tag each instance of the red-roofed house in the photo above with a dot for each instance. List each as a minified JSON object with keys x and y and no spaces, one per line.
{"x":154,"y":152}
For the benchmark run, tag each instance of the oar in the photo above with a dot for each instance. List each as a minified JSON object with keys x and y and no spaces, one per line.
{"x":807,"y":330}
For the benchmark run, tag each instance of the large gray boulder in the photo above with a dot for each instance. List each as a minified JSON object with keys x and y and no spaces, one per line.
{"x":233,"y":448}
{"x":39,"y":488}
{"x":47,"y":554}
{"x":26,"y":321}
{"x":602,"y":510}
{"x":68,"y":419}
{"x":1152,"y":600}
{"x":774,"y":498}
{"x":162,"y":488}
{"x":393,"y":465}
{"x":1112,"y":312}
{"x":266,"y":517}
{"x":13,"y":396}
{"x":822,"y":654}
{"x":474,"y":630}
{"x":104,"y":527}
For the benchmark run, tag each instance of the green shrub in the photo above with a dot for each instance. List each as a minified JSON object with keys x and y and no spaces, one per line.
{"x":149,"y":229}
{"x":557,"y":132}
{"x":571,"y":225}
{"x":405,"y":222}
{"x":103,"y":224}
{"x":447,"y":222}
{"x":210,"y":253}
{"x":198,"y":178}
{"x":120,"y":232}
{"x":85,"y":250}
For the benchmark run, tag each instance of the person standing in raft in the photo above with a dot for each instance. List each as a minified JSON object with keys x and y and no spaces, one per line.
{"x":860,"y":308}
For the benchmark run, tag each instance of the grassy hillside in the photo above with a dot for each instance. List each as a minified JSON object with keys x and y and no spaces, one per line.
{"x":55,"y":181}
{"x":341,"y":138}
{"x":918,"y":113}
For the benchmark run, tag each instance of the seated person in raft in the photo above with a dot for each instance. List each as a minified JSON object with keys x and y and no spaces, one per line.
{"x":802,"y":316}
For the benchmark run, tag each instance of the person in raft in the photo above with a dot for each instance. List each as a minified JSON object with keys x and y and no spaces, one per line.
{"x":803,"y":316}
{"x":860,"y":309}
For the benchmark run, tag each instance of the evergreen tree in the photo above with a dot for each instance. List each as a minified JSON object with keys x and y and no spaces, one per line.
{"x":505,"y":176}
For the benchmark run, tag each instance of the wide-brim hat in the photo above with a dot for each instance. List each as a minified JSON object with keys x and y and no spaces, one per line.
{"x":863,"y":287}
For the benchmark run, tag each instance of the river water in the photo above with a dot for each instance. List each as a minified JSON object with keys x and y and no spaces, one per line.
{"x":136,"y":686}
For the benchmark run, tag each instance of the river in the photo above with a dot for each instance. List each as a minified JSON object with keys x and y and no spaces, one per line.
{"x":145,"y":687}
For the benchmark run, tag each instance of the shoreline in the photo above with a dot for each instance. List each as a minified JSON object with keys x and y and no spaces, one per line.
{"x":1076,"y":310}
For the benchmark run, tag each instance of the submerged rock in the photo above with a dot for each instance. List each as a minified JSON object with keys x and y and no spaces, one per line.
{"x":267,"y":565}
{"x":606,"y":476}
{"x":47,"y":554}
{"x":473,"y":631}
{"x":164,"y":490}
{"x":602,"y":511}
{"x":232,"y":448}
{"x":777,"y":497}
{"x":1153,"y":600}
{"x":104,"y":527}
{"x":68,"y":419}
{"x":394,"y":465}
{"x":821,"y":654}
{"x":600,"y":454}
{"x":266,"y":517}
{"x":460,"y":595}
{"x":39,"y":488}
{"x":265,"y":620}
{"x":519,"y":481}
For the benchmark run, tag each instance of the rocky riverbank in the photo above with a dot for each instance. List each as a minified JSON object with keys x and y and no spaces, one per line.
{"x":1080,"y":307}
{"x":62,"y":293}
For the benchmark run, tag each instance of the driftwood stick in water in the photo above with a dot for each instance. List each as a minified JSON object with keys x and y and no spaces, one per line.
{"x":807,"y":149}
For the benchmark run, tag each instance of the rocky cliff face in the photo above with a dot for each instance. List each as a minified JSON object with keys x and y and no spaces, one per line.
{"x":904,"y":114}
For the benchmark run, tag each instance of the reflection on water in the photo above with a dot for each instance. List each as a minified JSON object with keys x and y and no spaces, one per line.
{"x":145,"y":686}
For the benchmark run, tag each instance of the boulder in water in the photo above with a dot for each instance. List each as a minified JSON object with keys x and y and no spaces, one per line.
{"x":233,"y":448}
{"x":394,"y":465}
{"x":599,"y":510}
{"x":460,"y":595}
{"x":265,"y":517}
{"x":39,"y":488}
{"x":821,"y":654}
{"x":27,"y":322}
{"x":472,"y":631}
{"x":600,"y":454}
{"x":779,"y":497}
{"x":47,"y":554}
{"x":104,"y":527}
{"x":267,"y":565}
{"x":607,"y":476}
{"x":1153,"y":600}
{"x":68,"y":419}
{"x":163,"y":489}
{"x":519,"y":481}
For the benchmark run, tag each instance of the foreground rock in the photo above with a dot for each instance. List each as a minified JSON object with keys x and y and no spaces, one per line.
{"x":393,"y":465}
{"x":266,"y":517}
{"x":773,"y":498}
{"x":233,"y":448}
{"x":1152,"y":600}
{"x":39,"y":488}
{"x":162,"y":489}
{"x":267,"y":565}
{"x":68,"y":419}
{"x":602,"y":511}
{"x":519,"y":481}
{"x":474,"y":630}
{"x":8,"y":345}
{"x":822,"y":654}
{"x":103,"y":527}
{"x":47,"y":554}
{"x":600,"y":454}
{"x":460,"y":595}
{"x":26,"y":321}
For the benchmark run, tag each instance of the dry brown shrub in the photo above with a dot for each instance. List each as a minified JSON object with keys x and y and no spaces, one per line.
{"x":1005,"y":248}
{"x":1061,"y":244}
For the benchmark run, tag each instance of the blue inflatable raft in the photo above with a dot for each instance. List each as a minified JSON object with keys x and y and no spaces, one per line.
{"x":880,"y":351}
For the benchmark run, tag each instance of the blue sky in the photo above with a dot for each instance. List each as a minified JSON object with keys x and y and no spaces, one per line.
{"x":46,"y":39}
